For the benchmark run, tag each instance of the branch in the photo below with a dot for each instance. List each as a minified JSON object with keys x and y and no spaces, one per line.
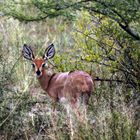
{"x":108,"y":80}
{"x":130,"y":31}
{"x":125,"y":27}
{"x":24,"y":18}
{"x":85,"y":4}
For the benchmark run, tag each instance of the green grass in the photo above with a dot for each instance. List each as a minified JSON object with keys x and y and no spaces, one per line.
{"x":26,"y":113}
{"x":24,"y":116}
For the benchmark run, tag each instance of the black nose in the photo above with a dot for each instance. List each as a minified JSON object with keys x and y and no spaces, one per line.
{"x":38,"y":72}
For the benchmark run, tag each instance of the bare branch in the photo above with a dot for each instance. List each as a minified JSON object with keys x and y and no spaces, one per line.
{"x":108,"y":80}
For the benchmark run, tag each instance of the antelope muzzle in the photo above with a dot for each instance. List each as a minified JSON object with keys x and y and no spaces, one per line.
{"x":38,"y":73}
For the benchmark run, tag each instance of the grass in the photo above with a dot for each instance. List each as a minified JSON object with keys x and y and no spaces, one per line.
{"x":26,"y":114}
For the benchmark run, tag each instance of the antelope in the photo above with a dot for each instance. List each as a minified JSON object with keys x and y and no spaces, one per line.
{"x":69,"y":85}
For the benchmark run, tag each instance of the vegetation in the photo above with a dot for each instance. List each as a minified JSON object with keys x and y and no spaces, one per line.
{"x":101,"y":37}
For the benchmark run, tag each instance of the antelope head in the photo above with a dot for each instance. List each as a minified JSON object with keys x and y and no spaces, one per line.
{"x":38,"y":64}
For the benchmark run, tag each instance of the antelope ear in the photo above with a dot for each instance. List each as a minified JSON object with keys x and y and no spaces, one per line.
{"x":49,"y":52}
{"x":27,"y":52}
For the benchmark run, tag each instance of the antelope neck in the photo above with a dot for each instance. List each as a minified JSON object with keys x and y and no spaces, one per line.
{"x":45,"y":80}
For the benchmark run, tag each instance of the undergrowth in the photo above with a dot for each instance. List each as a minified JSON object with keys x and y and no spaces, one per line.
{"x":26,"y":112}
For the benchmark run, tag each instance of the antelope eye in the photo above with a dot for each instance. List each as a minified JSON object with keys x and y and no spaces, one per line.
{"x":33,"y":65}
{"x":43,"y":65}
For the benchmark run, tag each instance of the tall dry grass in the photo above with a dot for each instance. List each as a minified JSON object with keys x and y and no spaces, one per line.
{"x":25,"y":111}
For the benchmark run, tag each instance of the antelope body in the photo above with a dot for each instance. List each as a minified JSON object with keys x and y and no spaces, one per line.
{"x":71,"y":85}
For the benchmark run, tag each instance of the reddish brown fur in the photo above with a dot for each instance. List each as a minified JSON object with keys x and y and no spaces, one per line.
{"x":70,"y":85}
{"x":38,"y":62}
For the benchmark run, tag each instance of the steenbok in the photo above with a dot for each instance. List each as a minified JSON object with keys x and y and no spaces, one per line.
{"x":68,"y":85}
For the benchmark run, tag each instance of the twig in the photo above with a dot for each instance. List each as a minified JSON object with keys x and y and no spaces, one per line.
{"x":108,"y":80}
